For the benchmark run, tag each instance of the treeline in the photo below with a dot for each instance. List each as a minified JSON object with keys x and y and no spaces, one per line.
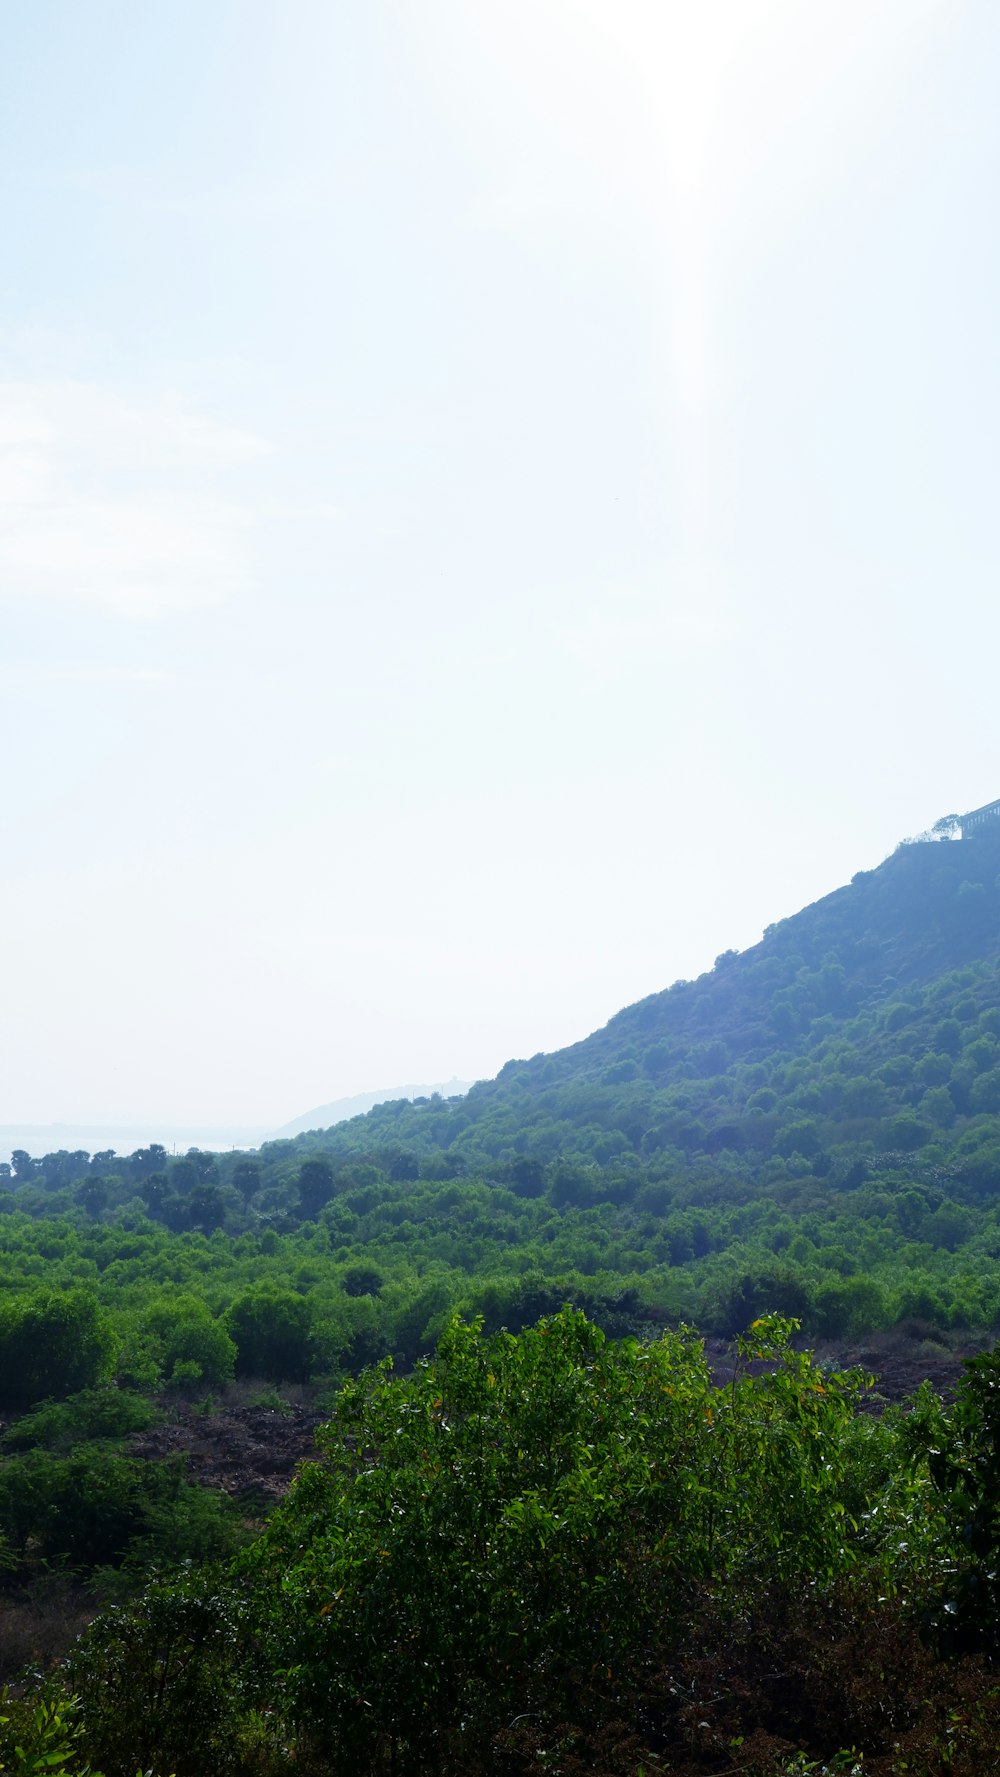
{"x":813,"y":1127}
{"x":918,"y":1075}
{"x":864,"y":1026}
{"x":381,"y":1264}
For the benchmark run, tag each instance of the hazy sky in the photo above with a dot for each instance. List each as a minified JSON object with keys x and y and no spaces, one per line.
{"x":497,"y":504}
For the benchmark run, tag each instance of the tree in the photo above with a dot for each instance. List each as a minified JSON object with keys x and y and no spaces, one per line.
{"x":315,"y":1187}
{"x":525,"y":1514}
{"x":51,"y":1345}
{"x":92,"y":1196}
{"x":361,"y":1280}
{"x":146,"y":1161}
{"x":403,"y":1166}
{"x":271,"y":1330}
{"x":205,"y":1165}
{"x":960,"y":1452}
{"x":527,"y":1176}
{"x":63,"y":1168}
{"x":184,"y":1176}
{"x":207,"y":1208}
{"x":190,"y":1345}
{"x":775,"y":1289}
{"x":246,"y":1180}
{"x":154,"y":1191}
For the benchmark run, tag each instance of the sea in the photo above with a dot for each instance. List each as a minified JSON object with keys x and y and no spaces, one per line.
{"x":95,"y":1138}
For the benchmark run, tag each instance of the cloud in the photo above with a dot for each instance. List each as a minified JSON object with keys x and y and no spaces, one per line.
{"x":120,"y":502}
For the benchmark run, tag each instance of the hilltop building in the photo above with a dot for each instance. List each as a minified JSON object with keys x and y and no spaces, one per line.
{"x":987,"y":816}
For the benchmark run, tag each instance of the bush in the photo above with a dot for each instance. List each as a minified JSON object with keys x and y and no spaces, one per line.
{"x":960,"y":1451}
{"x":158,"y":1682}
{"x":95,"y":1413}
{"x":362,"y":1280}
{"x":526,"y":1511}
{"x":51,"y":1346}
{"x":271,"y":1330}
{"x":191,"y":1346}
{"x":41,"y":1733}
{"x":97,"y":1508}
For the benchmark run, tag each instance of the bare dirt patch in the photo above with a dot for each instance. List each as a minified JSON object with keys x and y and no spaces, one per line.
{"x":899,"y":1361}
{"x":250,"y":1451}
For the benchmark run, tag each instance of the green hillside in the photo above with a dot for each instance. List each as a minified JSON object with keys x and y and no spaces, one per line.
{"x":867,"y":1025}
{"x":813,"y":1127}
{"x":531,"y":1542}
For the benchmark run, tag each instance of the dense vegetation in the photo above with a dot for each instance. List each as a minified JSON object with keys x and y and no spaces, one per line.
{"x":549,"y":1552}
{"x":813,"y":1127}
{"x":530,"y":1554}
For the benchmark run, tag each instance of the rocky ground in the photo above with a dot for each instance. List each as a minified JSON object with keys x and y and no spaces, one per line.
{"x":898,"y":1361}
{"x":250,"y":1449}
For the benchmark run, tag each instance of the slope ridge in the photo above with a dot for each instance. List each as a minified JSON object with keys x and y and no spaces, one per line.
{"x":866,"y":1017}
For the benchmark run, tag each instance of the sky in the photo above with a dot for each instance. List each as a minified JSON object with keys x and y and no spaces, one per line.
{"x":497,"y":505}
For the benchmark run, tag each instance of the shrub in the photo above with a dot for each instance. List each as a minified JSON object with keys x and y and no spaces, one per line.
{"x":527,"y":1510}
{"x":191,"y":1346}
{"x":271,"y":1330}
{"x":158,"y":1681}
{"x":51,"y":1346}
{"x":960,"y":1451}
{"x":97,"y":1508}
{"x":95,"y":1413}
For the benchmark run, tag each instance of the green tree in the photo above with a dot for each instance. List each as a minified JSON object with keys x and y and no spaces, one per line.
{"x":92,"y":1196}
{"x":315,"y":1187}
{"x":190,"y":1345}
{"x":959,"y":1448}
{"x":145,"y":1161}
{"x":246,"y":1180}
{"x":362,"y":1280}
{"x":52,"y":1345}
{"x":526,"y":1511}
{"x":206,"y":1208}
{"x":271,"y":1329}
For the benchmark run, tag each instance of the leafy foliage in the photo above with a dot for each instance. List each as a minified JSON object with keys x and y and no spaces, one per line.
{"x":498,"y":1561}
{"x":812,"y":1127}
{"x":525,"y":1509}
{"x":96,"y":1507}
{"x":51,"y":1345}
{"x":96,"y":1413}
{"x":548,"y":1529}
{"x":41,"y":1735}
{"x":159,"y":1682}
{"x":961,"y":1449}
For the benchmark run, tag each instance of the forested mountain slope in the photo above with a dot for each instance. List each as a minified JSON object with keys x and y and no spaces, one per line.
{"x":810,"y":1131}
{"x":871,"y":1017}
{"x":813,"y":1126}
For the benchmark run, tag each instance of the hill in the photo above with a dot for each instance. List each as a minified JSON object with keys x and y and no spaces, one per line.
{"x":342,"y":1109}
{"x":812,"y":1127}
{"x":869,"y":1021}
